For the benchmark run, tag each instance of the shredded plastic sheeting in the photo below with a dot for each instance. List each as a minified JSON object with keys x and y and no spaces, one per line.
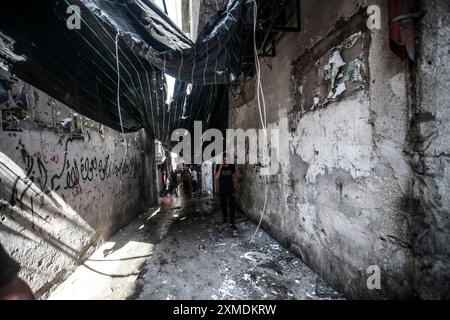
{"x":78,"y":67}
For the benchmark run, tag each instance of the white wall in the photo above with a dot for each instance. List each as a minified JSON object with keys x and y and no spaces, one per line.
{"x":340,"y":199}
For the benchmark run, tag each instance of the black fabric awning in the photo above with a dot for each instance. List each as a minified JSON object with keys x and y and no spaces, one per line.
{"x":78,"y":67}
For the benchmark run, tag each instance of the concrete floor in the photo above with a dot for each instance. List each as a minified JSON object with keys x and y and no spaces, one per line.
{"x":180,"y":251}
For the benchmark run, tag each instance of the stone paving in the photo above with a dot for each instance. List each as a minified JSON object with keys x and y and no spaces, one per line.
{"x":180,"y":251}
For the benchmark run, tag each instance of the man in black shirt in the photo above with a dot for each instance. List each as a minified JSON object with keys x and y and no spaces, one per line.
{"x":11,"y":286}
{"x":226,"y":175}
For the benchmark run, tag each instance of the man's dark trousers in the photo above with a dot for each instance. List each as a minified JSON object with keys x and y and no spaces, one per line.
{"x":227,"y":198}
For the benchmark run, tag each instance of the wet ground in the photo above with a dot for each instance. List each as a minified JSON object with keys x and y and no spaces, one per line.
{"x":181,"y":251}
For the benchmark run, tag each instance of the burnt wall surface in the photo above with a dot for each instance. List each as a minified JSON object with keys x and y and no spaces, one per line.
{"x":353,"y":190}
{"x":66,"y":183}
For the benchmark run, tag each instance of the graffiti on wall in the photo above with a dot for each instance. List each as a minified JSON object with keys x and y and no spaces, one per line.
{"x":84,"y":169}
{"x":43,"y":184}
{"x":33,"y":191}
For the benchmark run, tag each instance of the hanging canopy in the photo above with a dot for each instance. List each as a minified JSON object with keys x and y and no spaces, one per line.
{"x":78,"y":66}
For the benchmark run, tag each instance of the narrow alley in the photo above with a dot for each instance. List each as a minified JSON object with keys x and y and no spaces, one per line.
{"x":181,"y":251}
{"x":225,"y":150}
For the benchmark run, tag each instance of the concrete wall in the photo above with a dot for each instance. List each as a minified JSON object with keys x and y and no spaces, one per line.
{"x":63,"y":188}
{"x":346,"y":196}
{"x":430,"y":149}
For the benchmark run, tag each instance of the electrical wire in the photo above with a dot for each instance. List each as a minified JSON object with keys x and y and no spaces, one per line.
{"x":262,"y":113}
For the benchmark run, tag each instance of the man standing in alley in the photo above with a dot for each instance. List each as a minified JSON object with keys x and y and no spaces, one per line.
{"x":11,"y":286}
{"x":226,"y":175}
{"x":194,"y":181}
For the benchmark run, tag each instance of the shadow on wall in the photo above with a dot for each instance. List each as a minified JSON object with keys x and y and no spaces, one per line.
{"x":34,"y":209}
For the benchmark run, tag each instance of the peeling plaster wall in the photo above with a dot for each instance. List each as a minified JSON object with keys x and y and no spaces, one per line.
{"x":63,"y":189}
{"x":343,"y":199}
{"x":207,"y":177}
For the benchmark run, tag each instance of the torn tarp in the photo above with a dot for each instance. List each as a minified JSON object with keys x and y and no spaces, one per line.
{"x":214,"y":58}
{"x":78,"y":66}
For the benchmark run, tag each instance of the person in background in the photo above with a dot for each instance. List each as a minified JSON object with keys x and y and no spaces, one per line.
{"x":194,"y":181}
{"x":11,"y":286}
{"x":226,"y":175}
{"x":187,"y":182}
